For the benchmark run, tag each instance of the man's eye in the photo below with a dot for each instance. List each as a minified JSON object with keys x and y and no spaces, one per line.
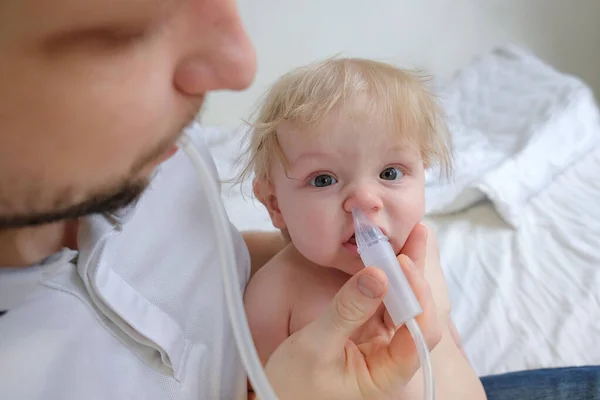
{"x":119,"y":37}
{"x":323,"y":180}
{"x":102,"y":38}
{"x":391,"y":174}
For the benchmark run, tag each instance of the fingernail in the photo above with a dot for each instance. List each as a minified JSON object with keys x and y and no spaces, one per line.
{"x":370,"y":287}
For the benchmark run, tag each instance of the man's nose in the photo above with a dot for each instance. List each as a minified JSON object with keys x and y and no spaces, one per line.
{"x":221,"y":56}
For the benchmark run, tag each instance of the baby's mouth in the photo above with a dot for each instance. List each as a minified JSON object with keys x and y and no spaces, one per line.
{"x":352,"y":240}
{"x":350,"y":245}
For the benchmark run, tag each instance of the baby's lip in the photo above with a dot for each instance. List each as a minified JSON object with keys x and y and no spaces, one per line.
{"x":348,"y":236}
{"x":351,"y":237}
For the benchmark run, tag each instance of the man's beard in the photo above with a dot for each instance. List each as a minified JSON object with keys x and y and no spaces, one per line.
{"x":100,"y":204}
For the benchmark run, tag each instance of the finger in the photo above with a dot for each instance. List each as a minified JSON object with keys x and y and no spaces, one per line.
{"x":352,"y":306}
{"x":416,"y":246}
{"x":402,"y":348}
{"x":388,"y":322}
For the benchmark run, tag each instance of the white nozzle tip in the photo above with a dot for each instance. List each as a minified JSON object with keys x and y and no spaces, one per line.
{"x":365,"y":231}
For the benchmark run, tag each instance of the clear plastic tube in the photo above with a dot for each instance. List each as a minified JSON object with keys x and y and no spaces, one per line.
{"x":400,"y":300}
{"x":423,"y":350}
{"x":233,"y":297}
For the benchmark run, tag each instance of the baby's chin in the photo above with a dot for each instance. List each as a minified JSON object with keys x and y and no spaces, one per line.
{"x":350,"y":267}
{"x":348,"y":260}
{"x":355,"y":264}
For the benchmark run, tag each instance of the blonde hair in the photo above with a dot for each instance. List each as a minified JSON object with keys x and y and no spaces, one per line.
{"x":307,"y":94}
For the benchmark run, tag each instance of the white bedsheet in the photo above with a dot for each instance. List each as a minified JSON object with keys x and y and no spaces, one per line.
{"x":519,"y":227}
{"x":530,"y":297}
{"x":523,"y":267}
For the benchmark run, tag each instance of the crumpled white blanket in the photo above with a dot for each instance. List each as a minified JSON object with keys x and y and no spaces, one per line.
{"x":529,"y":297}
{"x":522,"y":258}
{"x":516,"y":123}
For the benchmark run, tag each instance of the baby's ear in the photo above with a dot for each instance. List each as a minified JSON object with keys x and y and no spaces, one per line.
{"x":265,"y":193}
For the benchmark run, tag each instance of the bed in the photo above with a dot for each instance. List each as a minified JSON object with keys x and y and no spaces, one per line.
{"x":519,"y":223}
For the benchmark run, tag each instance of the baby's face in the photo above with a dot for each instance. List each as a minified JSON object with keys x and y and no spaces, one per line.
{"x":341,"y":164}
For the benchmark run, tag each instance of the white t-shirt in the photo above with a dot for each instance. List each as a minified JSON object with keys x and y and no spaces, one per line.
{"x":138,"y":313}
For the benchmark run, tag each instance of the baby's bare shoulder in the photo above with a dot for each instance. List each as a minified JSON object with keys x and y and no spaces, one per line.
{"x":313,"y":289}
{"x":282,"y":268}
{"x":277,"y":280}
{"x":268,"y":304}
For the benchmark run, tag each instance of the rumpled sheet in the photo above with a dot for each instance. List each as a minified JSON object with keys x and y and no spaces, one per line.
{"x":516,"y":123}
{"x":519,"y":227}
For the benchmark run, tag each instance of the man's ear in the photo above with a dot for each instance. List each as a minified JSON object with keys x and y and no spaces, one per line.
{"x":265,"y":193}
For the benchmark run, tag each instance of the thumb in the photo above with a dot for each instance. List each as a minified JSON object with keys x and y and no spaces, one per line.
{"x":351,"y":307}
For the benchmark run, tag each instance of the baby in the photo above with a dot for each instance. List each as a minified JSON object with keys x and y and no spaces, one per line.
{"x":331,"y":136}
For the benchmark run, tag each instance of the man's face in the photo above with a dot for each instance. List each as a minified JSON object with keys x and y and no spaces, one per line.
{"x":93,"y":95}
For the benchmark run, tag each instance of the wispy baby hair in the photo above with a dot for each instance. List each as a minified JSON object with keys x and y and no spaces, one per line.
{"x":374,"y":89}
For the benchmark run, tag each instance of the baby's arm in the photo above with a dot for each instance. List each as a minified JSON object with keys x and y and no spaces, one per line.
{"x":267,"y":301}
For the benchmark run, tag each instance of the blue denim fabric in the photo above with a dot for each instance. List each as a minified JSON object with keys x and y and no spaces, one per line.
{"x":577,"y":383}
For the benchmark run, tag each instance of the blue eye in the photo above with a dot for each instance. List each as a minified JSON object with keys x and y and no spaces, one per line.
{"x":323,"y":180}
{"x":391,"y":174}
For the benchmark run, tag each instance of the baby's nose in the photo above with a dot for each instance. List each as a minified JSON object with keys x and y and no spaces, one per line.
{"x":365,"y":199}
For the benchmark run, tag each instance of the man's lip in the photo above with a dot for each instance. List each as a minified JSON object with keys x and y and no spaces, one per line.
{"x":169,"y":153}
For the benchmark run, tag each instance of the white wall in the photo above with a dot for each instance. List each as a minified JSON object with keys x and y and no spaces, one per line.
{"x":437,"y":35}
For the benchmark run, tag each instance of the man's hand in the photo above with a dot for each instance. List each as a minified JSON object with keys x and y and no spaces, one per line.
{"x":321,"y":361}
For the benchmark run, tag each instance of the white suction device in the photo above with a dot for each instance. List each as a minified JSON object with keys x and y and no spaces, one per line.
{"x":400,"y":301}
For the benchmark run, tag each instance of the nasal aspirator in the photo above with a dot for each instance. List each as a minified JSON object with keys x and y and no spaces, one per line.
{"x":400,"y":301}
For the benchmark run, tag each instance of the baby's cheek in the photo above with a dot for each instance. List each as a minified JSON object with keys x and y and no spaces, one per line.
{"x":414,"y":205}
{"x":301,"y":227}
{"x":410,"y":215}
{"x":316,"y":229}
{"x":311,"y":233}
